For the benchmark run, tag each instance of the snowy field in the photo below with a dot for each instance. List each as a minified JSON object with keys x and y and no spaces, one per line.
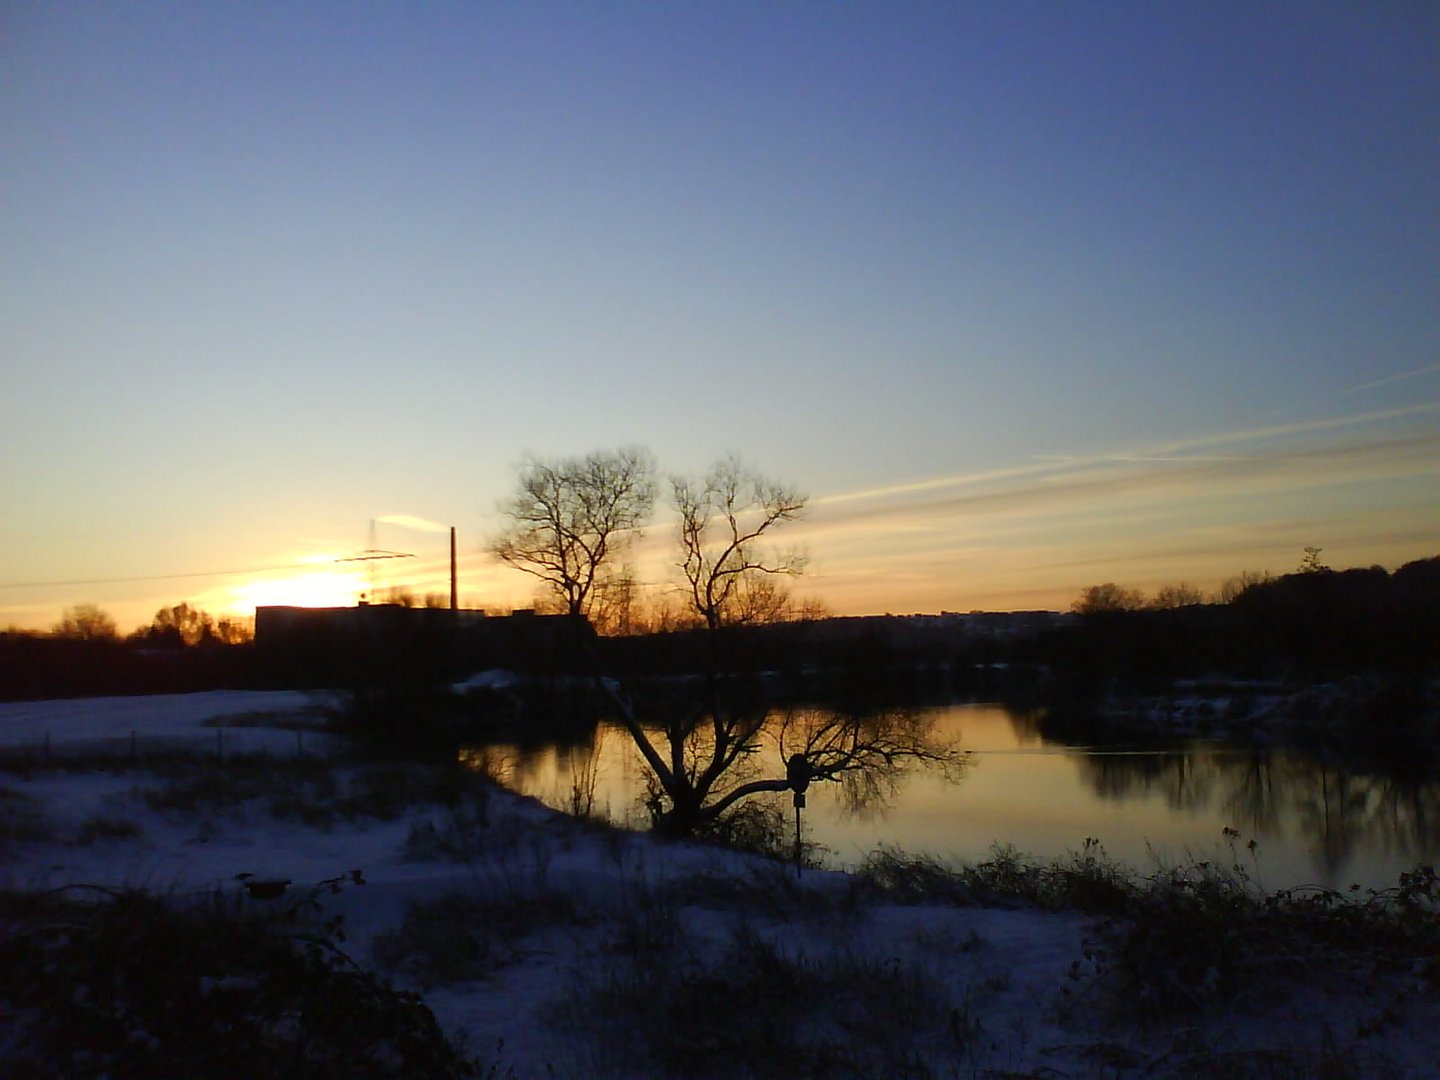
{"x":249,"y":721}
{"x":561,"y":948}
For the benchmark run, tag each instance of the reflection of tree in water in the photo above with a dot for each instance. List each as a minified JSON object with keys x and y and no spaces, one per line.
{"x":582,"y":764}
{"x":1336,"y":811}
{"x":1414,"y":811}
{"x":565,"y":770}
{"x":1254,"y":801}
{"x":1185,"y":779}
{"x":1345,"y":813}
{"x":868,"y":751}
{"x":1029,"y":726}
{"x":898,"y":741}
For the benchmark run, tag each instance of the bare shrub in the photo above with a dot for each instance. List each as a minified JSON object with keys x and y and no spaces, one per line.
{"x":99,"y":827}
{"x":462,"y":937}
{"x":22,"y":820}
{"x":124,"y":983}
{"x":760,"y":1010}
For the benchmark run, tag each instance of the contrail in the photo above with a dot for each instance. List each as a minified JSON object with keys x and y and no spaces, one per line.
{"x":1393,"y":378}
{"x":1181,"y":450}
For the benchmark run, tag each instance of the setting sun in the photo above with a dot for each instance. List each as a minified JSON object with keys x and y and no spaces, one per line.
{"x":318,"y":588}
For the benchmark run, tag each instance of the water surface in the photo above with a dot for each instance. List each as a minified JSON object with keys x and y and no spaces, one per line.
{"x":1311,"y":822}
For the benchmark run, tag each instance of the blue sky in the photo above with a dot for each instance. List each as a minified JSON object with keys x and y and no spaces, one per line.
{"x":1026,"y":296}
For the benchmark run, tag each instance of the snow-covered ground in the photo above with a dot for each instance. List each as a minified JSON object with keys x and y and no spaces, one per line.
{"x":564,"y":949}
{"x":248,"y":721}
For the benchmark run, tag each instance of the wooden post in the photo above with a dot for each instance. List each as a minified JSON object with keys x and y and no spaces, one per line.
{"x":799,"y":802}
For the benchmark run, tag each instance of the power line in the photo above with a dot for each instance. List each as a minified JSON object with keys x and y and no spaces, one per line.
{"x":372,"y":554}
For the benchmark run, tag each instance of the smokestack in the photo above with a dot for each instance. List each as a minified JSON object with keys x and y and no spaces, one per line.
{"x":454,"y":582}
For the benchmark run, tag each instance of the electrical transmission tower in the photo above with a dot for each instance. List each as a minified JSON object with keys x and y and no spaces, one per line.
{"x":373,"y":555}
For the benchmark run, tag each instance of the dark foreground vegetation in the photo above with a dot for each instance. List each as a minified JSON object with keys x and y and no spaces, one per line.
{"x":906,"y":968}
{"x":1186,"y":938}
{"x":119,"y":982}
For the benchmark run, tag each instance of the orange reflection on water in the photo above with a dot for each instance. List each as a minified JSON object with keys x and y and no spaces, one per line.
{"x":1313,"y":822}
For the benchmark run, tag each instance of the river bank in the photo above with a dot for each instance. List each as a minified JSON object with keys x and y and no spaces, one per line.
{"x":1372,"y":715}
{"x":553,"y":946}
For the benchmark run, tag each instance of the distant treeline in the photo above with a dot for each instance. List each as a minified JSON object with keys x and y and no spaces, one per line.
{"x":1316,"y":625}
{"x":182,"y":649}
{"x":1308,"y":626}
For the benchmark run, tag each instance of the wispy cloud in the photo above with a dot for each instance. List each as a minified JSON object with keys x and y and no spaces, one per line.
{"x":409,"y":521}
{"x":916,"y":487}
{"x":1365,"y":488}
{"x":1182,"y":451}
{"x":1299,"y":427}
{"x":1393,"y":378}
{"x":1173,"y":484}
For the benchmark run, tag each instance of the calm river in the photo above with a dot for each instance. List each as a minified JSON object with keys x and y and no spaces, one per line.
{"x":1312,"y":823}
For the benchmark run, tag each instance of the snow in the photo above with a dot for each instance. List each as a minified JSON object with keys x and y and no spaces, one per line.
{"x":1003,"y":977}
{"x":162,"y":720}
{"x":491,"y":679}
{"x":157,"y":714}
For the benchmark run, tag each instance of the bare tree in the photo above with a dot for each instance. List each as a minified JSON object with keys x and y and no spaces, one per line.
{"x":724,"y":521}
{"x":397,"y":596}
{"x":234,"y":630}
{"x":666,"y":613}
{"x":1181,"y":594}
{"x":615,"y":608}
{"x":1100,"y":599}
{"x":180,"y":624}
{"x":86,"y":622}
{"x":714,"y":744}
{"x":1232,"y":587}
{"x":569,"y":518}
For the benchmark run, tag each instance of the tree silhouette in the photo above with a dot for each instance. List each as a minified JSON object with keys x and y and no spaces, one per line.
{"x":1232,"y":588}
{"x":724,"y":520}
{"x":180,"y":625}
{"x":1181,"y":594}
{"x":569,"y":518}
{"x":1106,"y":598}
{"x":713,"y":744}
{"x":86,"y":622}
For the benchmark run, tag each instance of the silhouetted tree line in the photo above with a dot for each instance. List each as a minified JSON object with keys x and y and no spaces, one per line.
{"x":183,"y":649}
{"x":1315,"y":625}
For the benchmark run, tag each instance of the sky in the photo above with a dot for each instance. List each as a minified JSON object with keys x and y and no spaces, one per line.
{"x":1025,"y":296}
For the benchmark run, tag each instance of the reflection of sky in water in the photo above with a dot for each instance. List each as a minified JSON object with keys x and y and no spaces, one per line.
{"x":1314,"y":824}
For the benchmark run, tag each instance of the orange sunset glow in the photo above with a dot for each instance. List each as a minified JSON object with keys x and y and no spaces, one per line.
{"x":1012,"y":326}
